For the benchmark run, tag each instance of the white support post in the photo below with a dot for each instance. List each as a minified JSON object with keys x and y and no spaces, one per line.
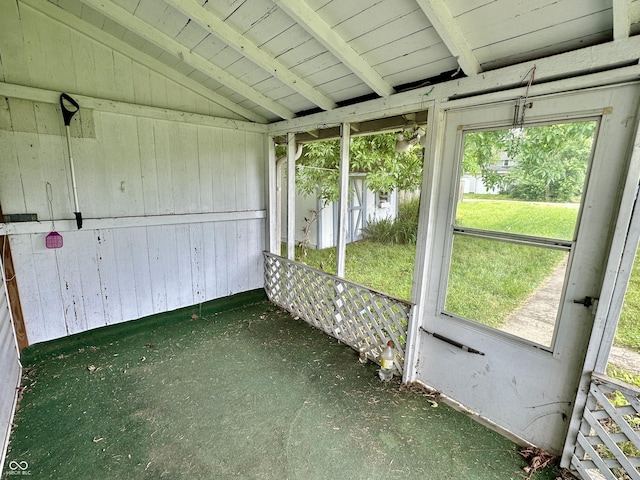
{"x":291,"y":196}
{"x":625,"y":241}
{"x":280,"y":162}
{"x":343,"y":219}
{"x":272,"y":200}
{"x":424,"y":245}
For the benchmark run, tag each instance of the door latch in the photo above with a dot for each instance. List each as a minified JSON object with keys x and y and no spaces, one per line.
{"x":589,"y":302}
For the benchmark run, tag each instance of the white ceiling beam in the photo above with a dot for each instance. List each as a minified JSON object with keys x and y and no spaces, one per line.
{"x":449,"y":31}
{"x":577,"y":64}
{"x":41,"y":95}
{"x":122,"y":17}
{"x":307,"y":18}
{"x":621,"y":19}
{"x":58,"y":14}
{"x":214,"y":25}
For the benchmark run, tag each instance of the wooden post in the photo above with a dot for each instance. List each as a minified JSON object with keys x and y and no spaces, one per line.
{"x":12,"y":291}
{"x":343,"y":220}
{"x":291,"y":196}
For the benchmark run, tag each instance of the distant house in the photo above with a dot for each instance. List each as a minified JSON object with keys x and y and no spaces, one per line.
{"x":474,"y":183}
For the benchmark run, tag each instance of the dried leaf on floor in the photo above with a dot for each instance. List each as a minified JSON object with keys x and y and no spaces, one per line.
{"x":537,"y":458}
{"x":431,"y":395}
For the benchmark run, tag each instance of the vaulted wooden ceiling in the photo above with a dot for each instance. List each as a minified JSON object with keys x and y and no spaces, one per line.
{"x":268,"y":60}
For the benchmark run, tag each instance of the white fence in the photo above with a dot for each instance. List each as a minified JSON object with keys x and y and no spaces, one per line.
{"x":356,"y":315}
{"x":608,"y":443}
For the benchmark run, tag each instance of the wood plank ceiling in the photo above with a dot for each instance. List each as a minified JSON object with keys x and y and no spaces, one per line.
{"x":269,"y":60}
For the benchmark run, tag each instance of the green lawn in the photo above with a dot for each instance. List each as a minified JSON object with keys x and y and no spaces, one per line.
{"x":628,"y":333}
{"x":537,"y":219}
{"x":489,"y":279}
{"x":383,"y":267}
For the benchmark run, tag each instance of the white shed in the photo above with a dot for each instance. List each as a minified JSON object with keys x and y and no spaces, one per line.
{"x":317,"y":221}
{"x":181,"y":103}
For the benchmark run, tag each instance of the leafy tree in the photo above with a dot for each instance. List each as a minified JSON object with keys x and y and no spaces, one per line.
{"x":550,"y":160}
{"x":317,"y":170}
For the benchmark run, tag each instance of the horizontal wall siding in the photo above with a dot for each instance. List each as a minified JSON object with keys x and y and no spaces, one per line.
{"x":124,"y":165}
{"x":103,"y":277}
{"x":192,"y":196}
{"x":174,"y":211}
{"x":10,"y":370}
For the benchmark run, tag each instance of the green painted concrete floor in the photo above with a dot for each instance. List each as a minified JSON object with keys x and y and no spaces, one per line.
{"x":207,"y":393}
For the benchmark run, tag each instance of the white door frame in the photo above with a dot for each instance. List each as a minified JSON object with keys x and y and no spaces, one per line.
{"x":476,"y":381}
{"x":619,"y":265}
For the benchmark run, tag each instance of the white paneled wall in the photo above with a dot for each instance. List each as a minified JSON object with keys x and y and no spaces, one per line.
{"x":10,"y":369}
{"x":174,"y":210}
{"x":202,"y":187}
{"x":107,"y":276}
{"x":125,"y":165}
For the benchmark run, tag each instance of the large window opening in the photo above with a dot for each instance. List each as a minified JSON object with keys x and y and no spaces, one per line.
{"x":515,"y":224}
{"x":385,"y":175}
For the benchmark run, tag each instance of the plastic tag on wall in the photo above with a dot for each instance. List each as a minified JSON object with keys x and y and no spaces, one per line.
{"x":53,"y":240}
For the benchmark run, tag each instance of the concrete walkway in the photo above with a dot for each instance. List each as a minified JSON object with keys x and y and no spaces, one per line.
{"x":535,"y":320}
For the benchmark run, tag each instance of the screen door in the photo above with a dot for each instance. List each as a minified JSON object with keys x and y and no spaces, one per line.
{"x":510,"y":311}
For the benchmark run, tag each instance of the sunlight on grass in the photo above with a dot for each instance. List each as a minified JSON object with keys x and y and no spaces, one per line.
{"x":389,"y":268}
{"x":537,"y":219}
{"x":623,"y":375}
{"x":489,"y":279}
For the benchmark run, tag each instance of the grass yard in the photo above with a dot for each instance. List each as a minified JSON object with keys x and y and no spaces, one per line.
{"x":537,"y":219}
{"x":383,"y":267}
{"x":488,"y":277}
{"x":628,"y":333}
{"x":489,"y":280}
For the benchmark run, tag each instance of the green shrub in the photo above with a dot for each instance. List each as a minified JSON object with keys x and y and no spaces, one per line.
{"x":401,"y":230}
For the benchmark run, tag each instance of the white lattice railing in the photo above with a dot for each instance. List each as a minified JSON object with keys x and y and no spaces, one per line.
{"x":608,"y":443}
{"x":356,"y":315}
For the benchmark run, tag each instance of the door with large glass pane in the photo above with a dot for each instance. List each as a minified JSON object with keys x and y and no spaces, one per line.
{"x":506,"y":329}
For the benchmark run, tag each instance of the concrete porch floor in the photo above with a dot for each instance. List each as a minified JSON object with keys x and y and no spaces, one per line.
{"x":248,"y":392}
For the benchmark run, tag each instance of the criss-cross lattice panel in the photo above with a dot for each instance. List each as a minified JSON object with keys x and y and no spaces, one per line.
{"x":608,"y":443}
{"x":356,"y":315}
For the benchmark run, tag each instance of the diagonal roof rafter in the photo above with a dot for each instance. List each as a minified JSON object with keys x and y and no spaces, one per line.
{"x":169,"y":45}
{"x":621,"y":19}
{"x":214,"y":25}
{"x":448,"y":29}
{"x":93,"y":32}
{"x":307,"y":18}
